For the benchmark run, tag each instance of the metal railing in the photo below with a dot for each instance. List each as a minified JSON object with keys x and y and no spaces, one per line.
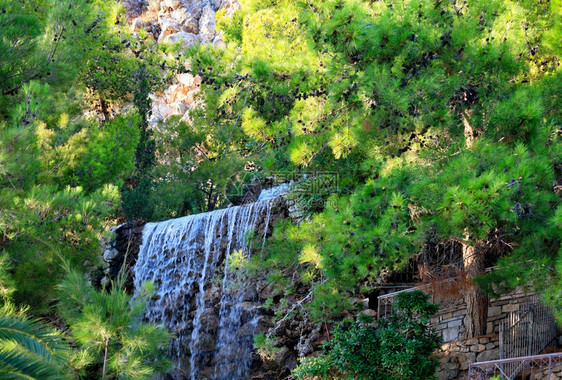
{"x":386,"y":301}
{"x":485,"y":370}
{"x":526,"y":332}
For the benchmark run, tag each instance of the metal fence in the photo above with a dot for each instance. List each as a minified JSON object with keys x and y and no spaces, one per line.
{"x":448,"y":302}
{"x":526,"y":332}
{"x":527,"y":364}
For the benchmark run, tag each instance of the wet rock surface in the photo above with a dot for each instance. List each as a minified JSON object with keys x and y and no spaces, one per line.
{"x":202,"y":301}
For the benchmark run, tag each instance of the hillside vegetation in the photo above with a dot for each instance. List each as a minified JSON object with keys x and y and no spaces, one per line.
{"x":413,"y":125}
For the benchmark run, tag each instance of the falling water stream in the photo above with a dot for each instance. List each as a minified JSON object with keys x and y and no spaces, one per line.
{"x":186,"y":258}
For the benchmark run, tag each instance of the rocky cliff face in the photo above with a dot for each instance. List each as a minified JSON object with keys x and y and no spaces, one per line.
{"x":178,"y":21}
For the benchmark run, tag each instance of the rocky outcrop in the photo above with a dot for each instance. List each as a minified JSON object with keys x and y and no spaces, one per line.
{"x":184,"y":22}
{"x":120,"y":247}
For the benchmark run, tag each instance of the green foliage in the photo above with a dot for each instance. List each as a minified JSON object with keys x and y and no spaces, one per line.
{"x":266,"y":346}
{"x":108,"y":326}
{"x":42,"y":40}
{"x":43,"y":216}
{"x":7,"y":286}
{"x":29,"y":349}
{"x":94,"y":155}
{"x":441,"y":119}
{"x":399,"y":347}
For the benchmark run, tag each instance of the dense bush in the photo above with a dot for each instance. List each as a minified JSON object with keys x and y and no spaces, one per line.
{"x":398,"y":346}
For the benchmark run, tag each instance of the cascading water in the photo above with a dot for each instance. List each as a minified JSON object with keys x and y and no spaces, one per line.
{"x":187,"y":258}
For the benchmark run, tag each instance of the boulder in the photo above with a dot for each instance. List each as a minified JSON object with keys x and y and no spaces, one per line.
{"x":168,"y":26}
{"x":187,"y":18}
{"x":186,"y":39}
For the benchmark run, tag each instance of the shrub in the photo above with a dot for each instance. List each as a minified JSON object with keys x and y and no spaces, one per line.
{"x":398,"y":347}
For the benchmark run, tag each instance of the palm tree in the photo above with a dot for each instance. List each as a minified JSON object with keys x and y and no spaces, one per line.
{"x":29,"y":349}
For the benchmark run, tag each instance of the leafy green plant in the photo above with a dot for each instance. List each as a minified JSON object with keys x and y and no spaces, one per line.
{"x":397,"y":347}
{"x":112,"y":338}
{"x":266,"y":346}
{"x":30,"y":349}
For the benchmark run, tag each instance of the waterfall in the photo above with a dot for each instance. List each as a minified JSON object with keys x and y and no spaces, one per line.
{"x":199,"y":297}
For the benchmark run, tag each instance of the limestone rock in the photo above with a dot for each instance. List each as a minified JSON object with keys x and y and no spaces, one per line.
{"x":188,"y":18}
{"x":138,"y":24}
{"x":186,"y":79}
{"x":218,"y":42}
{"x":370,"y":312}
{"x":478,"y":348}
{"x":168,"y":5}
{"x":168,"y":26}
{"x":485,"y":356}
{"x":186,"y":39}
{"x":110,"y":254}
{"x":154,"y":6}
{"x":305,"y":345}
{"x":134,"y":7}
{"x":465,"y":360}
{"x":207,"y":24}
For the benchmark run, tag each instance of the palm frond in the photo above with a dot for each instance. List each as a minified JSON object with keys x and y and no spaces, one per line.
{"x":35,"y":337}
{"x":19,"y":364}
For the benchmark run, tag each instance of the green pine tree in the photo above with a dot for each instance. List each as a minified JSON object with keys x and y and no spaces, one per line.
{"x":113,"y":340}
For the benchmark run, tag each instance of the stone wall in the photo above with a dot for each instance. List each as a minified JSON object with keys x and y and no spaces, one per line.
{"x":451,"y":322}
{"x":555,"y":373}
{"x":120,"y":245}
{"x":500,"y":307}
{"x":458,"y":351}
{"x":456,"y":356}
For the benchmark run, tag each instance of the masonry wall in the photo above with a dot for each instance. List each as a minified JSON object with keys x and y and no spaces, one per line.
{"x":458,"y":352}
{"x":456,"y":356}
{"x":450,"y":321}
{"x":500,"y":307}
{"x":555,"y":374}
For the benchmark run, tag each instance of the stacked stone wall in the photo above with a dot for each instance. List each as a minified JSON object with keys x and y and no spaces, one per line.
{"x":450,"y":323}
{"x":456,"y":356}
{"x":555,"y":373}
{"x":500,"y":307}
{"x":458,"y":351}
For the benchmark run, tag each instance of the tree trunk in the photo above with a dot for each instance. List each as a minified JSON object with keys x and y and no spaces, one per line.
{"x":104,"y":109}
{"x":105,"y":358}
{"x":469,"y":134}
{"x":476,"y":301}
